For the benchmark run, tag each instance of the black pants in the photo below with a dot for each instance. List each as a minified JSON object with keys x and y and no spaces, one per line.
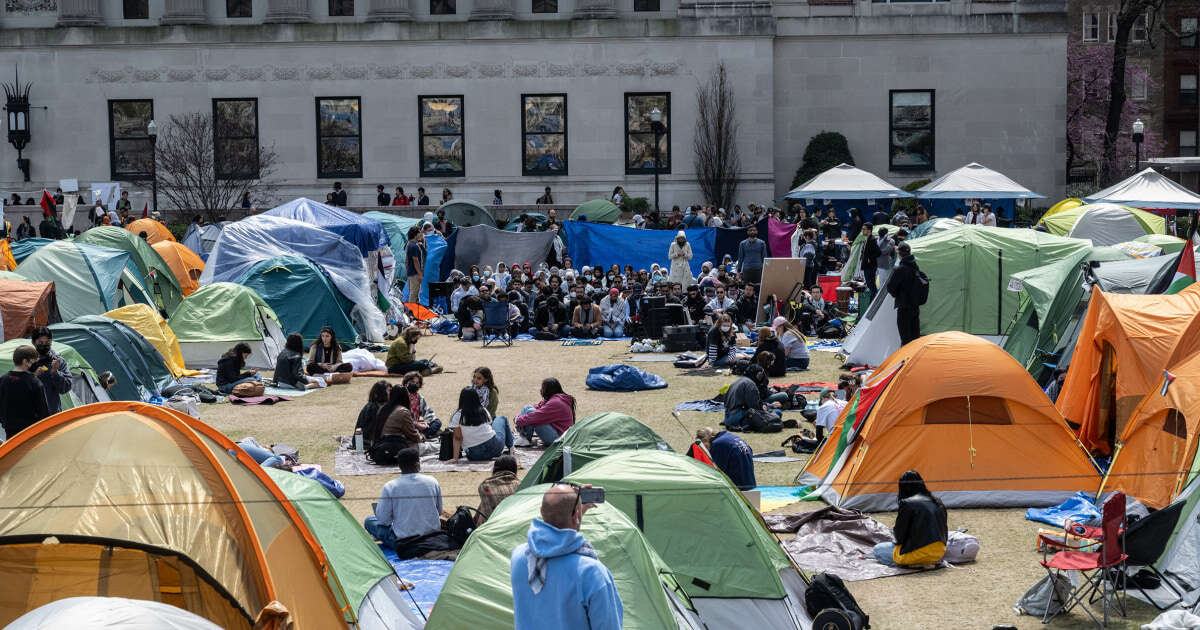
{"x":908,"y":323}
{"x":869,"y":275}
{"x":752,"y":275}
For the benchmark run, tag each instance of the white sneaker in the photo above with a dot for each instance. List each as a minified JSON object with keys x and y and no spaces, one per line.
{"x":521,"y":441}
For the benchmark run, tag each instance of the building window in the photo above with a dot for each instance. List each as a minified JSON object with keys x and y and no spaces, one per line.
{"x":339,"y":137}
{"x":442,"y":7}
{"x":341,"y":8}
{"x":544,"y":134}
{"x":1187,"y":89}
{"x":1138,"y":93}
{"x":1112,"y":27}
{"x":130,"y":153}
{"x":905,"y":1}
{"x":910,"y":132}
{"x":639,"y":135}
{"x":1187,"y":143}
{"x":235,"y":138}
{"x":1091,"y":27}
{"x":1138,"y":34}
{"x":545,"y":6}
{"x":136,"y":9}
{"x":645,"y":5}
{"x":1187,"y":32}
{"x":239,"y":9}
{"x":442,"y":136}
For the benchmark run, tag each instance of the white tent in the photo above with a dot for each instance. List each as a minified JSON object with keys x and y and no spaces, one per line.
{"x":107,"y":613}
{"x":846,"y":182}
{"x":1148,"y":189}
{"x":975,"y":181}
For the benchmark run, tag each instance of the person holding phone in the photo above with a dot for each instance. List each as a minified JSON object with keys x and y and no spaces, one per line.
{"x":557,"y":579}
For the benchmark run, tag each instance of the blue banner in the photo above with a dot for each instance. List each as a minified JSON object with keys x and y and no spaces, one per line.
{"x":594,"y":244}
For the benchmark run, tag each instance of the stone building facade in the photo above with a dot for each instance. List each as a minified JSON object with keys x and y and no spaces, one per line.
{"x":475,"y":95}
{"x":1181,"y":70}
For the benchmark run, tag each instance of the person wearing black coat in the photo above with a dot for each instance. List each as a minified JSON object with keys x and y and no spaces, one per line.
{"x":920,"y":530}
{"x":901,"y":286}
{"x":229,"y":366}
{"x":870,"y":257}
{"x":552,"y":319}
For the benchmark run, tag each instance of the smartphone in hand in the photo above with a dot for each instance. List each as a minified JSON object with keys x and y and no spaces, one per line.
{"x":591,"y":495}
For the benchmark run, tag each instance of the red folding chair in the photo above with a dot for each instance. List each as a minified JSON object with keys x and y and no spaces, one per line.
{"x":1102,"y":572}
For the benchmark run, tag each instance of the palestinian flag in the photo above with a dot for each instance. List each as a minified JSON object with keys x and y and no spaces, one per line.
{"x":698,"y":452}
{"x":1185,"y":273}
{"x":47,"y":204}
{"x":1168,"y":378}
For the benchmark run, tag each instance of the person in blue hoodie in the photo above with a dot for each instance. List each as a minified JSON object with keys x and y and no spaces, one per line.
{"x":557,"y":581}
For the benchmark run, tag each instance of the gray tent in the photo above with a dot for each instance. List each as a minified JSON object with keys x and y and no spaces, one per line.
{"x":465,"y":213}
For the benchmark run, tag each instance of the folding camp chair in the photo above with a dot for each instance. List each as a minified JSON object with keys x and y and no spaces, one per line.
{"x":495,"y":323}
{"x":1102,"y":571}
{"x":1146,"y":540}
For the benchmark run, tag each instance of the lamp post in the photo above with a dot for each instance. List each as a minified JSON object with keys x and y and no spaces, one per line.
{"x":16,"y":103}
{"x":152,"y":131}
{"x":656,"y":125}
{"x":1139,"y":129}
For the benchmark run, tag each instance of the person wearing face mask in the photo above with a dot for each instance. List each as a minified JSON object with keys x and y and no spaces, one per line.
{"x":423,"y":417}
{"x":464,"y":289}
{"x":722,"y":342}
{"x":50,"y":369}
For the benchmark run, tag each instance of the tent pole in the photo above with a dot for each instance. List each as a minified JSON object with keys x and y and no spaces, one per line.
{"x":999,"y":291}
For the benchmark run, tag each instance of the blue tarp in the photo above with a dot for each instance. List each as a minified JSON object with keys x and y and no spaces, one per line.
{"x":365,"y":233}
{"x":427,"y":577}
{"x":623,"y":378}
{"x":605,"y":245}
{"x":1079,"y":508}
{"x":435,"y":250}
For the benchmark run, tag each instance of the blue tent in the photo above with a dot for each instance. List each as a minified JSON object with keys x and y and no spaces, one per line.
{"x":24,"y":248}
{"x":365,"y":233}
{"x":303,"y":298}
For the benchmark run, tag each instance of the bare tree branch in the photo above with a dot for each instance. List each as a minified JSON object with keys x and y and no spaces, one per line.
{"x":718,"y":167}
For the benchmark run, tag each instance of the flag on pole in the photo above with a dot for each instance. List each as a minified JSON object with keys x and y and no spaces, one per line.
{"x":146,"y":210}
{"x":1185,"y":273}
{"x":47,"y":204}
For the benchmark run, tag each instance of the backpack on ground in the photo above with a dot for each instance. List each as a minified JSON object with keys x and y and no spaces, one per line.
{"x":761,"y":421}
{"x":961,"y":547}
{"x":446,"y":445}
{"x":921,"y":288}
{"x":460,"y":524}
{"x":826,"y":593}
{"x":251,"y":389}
{"x":386,"y":450}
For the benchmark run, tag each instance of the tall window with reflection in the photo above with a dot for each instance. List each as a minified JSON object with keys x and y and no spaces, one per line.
{"x":239,"y":8}
{"x":442,"y":136}
{"x":341,"y":8}
{"x":235,"y":138}
{"x":442,"y":7}
{"x":544,"y":134}
{"x":639,"y":135}
{"x":339,"y":137}
{"x":910,"y":130}
{"x":545,"y":6}
{"x":131,"y":155}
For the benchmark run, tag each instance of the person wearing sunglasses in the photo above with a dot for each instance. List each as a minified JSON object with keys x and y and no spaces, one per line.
{"x":558,"y":582}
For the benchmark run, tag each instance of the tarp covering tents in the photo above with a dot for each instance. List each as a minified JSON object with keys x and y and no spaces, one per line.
{"x":478,"y":591}
{"x":1147,"y":189}
{"x":596,"y":211}
{"x":360,"y":577}
{"x":210,"y":321}
{"x":84,"y":385}
{"x":109,"y":613}
{"x":465,"y":213}
{"x":846,"y":182}
{"x":364,"y":232}
{"x":975,"y":181}
{"x":1104,"y":223}
{"x":978,"y":442}
{"x":969,"y":271}
{"x":154,"y":329}
{"x":201,"y":238}
{"x":184,"y":263}
{"x":590,"y":439}
{"x":24,"y":248}
{"x":1125,"y":344}
{"x":155,"y":232}
{"x":1156,"y":453}
{"x":25,"y":306}
{"x":594,"y":244}
{"x":250,"y":241}
{"x":720,"y":552}
{"x":156,"y":274}
{"x":484,"y":245}
{"x":88,"y":280}
{"x":111,"y":346}
{"x":133,"y":491}
{"x":301,"y":296}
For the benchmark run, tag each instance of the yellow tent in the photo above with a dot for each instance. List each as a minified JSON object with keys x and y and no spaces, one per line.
{"x":1062,"y":206}
{"x":7,"y":262}
{"x":147,"y":322}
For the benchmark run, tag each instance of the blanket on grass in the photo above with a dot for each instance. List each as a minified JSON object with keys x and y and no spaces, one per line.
{"x":349,"y":463}
{"x":426,"y":577}
{"x":257,"y":400}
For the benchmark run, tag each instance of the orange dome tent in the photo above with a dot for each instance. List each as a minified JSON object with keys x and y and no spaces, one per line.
{"x":155,"y":232}
{"x":964,"y":414}
{"x":184,"y":263}
{"x":144,"y":502}
{"x":1125,"y":343}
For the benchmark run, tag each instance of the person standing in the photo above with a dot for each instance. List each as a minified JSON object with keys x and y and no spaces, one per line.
{"x":498,"y":197}
{"x":546,"y":198}
{"x":400,"y":199}
{"x":422,"y":198}
{"x":869,"y":258}
{"x":123,"y":204}
{"x":339,"y":198}
{"x":414,"y":263}
{"x":988,"y":218}
{"x":887,"y":249}
{"x":22,"y":399}
{"x":410,"y":506}
{"x":50,"y":369}
{"x":680,"y":253}
{"x":557,"y":580}
{"x":751,"y":254}
{"x":25,"y":229}
{"x":381,"y":197}
{"x":831,"y":227}
{"x":902,"y":286}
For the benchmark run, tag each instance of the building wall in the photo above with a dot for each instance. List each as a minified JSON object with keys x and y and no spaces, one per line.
{"x":1178,"y":60}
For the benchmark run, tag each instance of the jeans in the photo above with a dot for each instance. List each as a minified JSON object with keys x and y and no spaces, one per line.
{"x":544,"y":431}
{"x":780,"y":397}
{"x":264,"y":456}
{"x":378,"y":531}
{"x":883,"y":553}
{"x":495,"y":446}
{"x":435,"y":427}
{"x":405,"y":368}
{"x":614,"y":331}
{"x":728,"y":359}
{"x":869,"y":277}
{"x":227,"y":388}
{"x":797,"y":364}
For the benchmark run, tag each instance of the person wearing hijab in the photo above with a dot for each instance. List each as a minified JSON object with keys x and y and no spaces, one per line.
{"x":920,"y":530}
{"x":680,"y":253}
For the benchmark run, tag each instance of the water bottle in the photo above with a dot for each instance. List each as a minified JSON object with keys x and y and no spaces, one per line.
{"x":358,"y":440}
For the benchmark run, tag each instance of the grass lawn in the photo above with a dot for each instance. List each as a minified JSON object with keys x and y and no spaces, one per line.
{"x":978,"y":595}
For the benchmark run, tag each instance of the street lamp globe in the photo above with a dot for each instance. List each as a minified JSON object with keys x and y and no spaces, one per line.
{"x":1138,"y":127}
{"x":655,"y":115}
{"x":152,"y":129}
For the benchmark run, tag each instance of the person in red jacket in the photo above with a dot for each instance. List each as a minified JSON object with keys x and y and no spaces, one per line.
{"x":548,"y":419}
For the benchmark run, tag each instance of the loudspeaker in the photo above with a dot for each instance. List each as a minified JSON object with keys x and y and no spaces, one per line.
{"x":659,"y":317}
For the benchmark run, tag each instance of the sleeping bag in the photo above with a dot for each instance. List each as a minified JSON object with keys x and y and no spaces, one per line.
{"x":623,"y":378}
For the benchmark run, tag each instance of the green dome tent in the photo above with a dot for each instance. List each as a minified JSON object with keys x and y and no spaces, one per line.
{"x":590,"y":439}
{"x":83,"y":390}
{"x":478,"y":593}
{"x":303,"y":298}
{"x":210,"y":321}
{"x":110,"y":346}
{"x":156,"y":274}
{"x":1104,"y":223}
{"x":360,"y":577}
{"x":1169,"y":244}
{"x":88,"y":280}
{"x":596,"y":211}
{"x":735,"y":572}
{"x":465,"y":213}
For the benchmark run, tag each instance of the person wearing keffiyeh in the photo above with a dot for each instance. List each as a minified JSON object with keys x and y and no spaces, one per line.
{"x":558,"y":582}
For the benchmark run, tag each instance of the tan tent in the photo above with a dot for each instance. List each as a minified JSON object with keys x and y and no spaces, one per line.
{"x":126,"y":499}
{"x":25,"y":306}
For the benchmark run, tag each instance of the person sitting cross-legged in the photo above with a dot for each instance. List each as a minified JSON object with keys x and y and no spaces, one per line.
{"x":409,"y":508}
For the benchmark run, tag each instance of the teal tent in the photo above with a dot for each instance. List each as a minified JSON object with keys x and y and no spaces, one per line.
{"x":397,"y":230}
{"x":156,"y":274}
{"x":596,"y":211}
{"x":25,"y":248}
{"x":303,"y":298}
{"x":88,"y":280}
{"x":110,"y":346}
{"x":590,"y":439}
{"x":465,"y":213}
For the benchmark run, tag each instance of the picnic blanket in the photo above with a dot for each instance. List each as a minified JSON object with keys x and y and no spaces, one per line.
{"x":287,"y":392}
{"x":701,"y":405}
{"x":775,"y":497}
{"x":349,"y":463}
{"x":825,"y":345}
{"x":653,"y":357}
{"x":426,"y":577}
{"x":836,"y":540}
{"x":257,"y":400}
{"x":622,"y":378}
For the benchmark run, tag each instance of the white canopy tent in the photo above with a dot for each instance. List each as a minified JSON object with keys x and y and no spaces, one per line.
{"x":846,"y":182}
{"x":975,"y":181}
{"x":1148,"y":189}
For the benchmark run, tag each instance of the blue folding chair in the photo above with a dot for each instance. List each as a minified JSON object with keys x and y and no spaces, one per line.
{"x":495,"y":323}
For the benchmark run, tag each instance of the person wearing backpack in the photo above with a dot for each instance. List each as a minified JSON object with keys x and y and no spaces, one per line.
{"x":909,"y":287}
